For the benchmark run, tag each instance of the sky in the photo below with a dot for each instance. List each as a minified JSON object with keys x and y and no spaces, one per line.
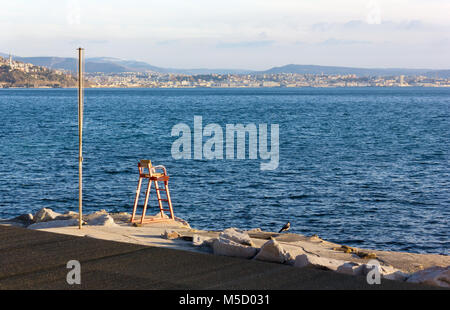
{"x":239,"y":34}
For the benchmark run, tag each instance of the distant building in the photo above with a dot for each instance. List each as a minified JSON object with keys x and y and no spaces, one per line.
{"x":271,"y":84}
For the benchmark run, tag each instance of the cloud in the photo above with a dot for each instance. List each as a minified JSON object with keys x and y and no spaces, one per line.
{"x":168,"y":42}
{"x":246,"y":44}
{"x":333,"y":41}
{"x":321,"y":27}
{"x":359,"y":25}
{"x":374,"y":15}
{"x":233,"y":33}
{"x":73,"y":12}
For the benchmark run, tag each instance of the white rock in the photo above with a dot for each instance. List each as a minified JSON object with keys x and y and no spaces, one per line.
{"x":183,"y":222}
{"x":170,"y":234}
{"x":199,"y":240}
{"x":100,"y":219}
{"x":92,"y":215}
{"x":305,"y":260}
{"x":67,"y":216}
{"x":391,"y":273}
{"x":439,"y":276}
{"x":358,"y":269}
{"x":228,"y":247}
{"x":161,"y":215}
{"x":254,"y":230}
{"x":54,"y":224}
{"x":236,"y":235}
{"x":273,"y":251}
{"x":26,"y":218}
{"x":351,"y":268}
{"x":386,"y":272}
{"x":45,"y":215}
{"x":121,"y":217}
{"x":396,"y":276}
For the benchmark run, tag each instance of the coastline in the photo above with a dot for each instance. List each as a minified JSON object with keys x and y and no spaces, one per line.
{"x":231,"y":87}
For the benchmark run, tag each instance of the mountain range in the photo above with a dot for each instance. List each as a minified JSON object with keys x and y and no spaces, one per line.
{"x":116,"y":65}
{"x":330,"y":70}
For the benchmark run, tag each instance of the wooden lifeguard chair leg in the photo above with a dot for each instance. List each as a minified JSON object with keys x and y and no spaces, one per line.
{"x":147,"y":194}
{"x":136,"y":199}
{"x":158,"y":194}
{"x":169,"y":201}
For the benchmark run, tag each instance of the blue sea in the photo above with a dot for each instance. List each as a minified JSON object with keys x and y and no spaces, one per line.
{"x":366,"y":167}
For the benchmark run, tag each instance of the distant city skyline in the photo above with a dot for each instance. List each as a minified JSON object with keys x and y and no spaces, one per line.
{"x":246,"y":34}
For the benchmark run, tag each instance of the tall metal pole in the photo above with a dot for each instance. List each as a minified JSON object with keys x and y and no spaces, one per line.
{"x":80,"y":137}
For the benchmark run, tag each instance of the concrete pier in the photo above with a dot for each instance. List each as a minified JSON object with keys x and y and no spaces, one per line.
{"x":31,"y":259}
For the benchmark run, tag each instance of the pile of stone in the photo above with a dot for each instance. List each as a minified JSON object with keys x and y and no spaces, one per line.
{"x":237,"y":243}
{"x":47,"y":218}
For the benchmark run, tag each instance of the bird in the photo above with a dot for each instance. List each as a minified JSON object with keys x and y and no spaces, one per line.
{"x":285,"y":227}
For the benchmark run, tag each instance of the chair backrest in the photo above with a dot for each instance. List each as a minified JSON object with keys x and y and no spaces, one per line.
{"x":152,"y":170}
{"x":145,"y":163}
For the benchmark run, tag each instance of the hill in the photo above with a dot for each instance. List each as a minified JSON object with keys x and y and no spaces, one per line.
{"x":120,"y":64}
{"x":329,"y":70}
{"x":438,"y":73}
{"x":28,"y":75}
{"x":115,"y":65}
{"x":71,"y":64}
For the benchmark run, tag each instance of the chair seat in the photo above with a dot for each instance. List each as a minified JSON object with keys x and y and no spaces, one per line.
{"x":154,"y":175}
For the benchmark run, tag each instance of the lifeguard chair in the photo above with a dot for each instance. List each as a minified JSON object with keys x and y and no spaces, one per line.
{"x":153,"y":174}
